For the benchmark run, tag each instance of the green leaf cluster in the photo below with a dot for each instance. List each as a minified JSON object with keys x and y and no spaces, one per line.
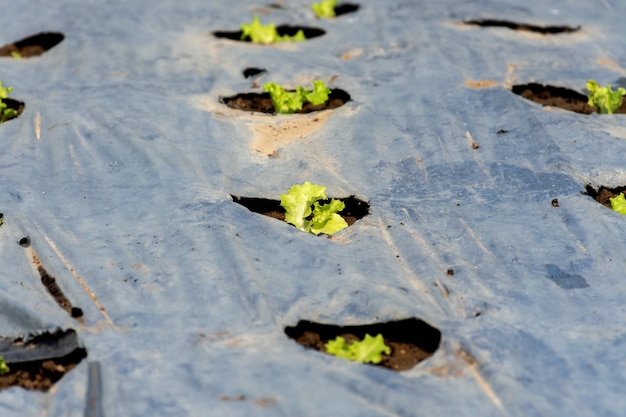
{"x":4,"y":369}
{"x":259,"y":33}
{"x":324,"y":9}
{"x":6,"y":113}
{"x":618,"y":203}
{"x":303,"y":210}
{"x":287,"y":102}
{"x":605,"y":100}
{"x":368,"y":350}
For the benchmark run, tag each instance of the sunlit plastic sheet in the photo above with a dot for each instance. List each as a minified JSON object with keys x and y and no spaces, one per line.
{"x":121,"y":167}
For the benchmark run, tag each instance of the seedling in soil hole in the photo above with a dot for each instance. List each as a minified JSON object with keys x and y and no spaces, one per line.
{"x":618,"y":203}
{"x":266,"y":34}
{"x":303,"y":210}
{"x":287,"y":102}
{"x":324,"y":9}
{"x":4,"y":369}
{"x":6,"y":113}
{"x":605,"y":100}
{"x":368,"y":350}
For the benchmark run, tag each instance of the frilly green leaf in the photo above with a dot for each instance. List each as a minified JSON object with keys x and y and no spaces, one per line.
{"x":618,"y":203}
{"x":605,"y":100}
{"x":368,"y":350}
{"x":304,"y":212}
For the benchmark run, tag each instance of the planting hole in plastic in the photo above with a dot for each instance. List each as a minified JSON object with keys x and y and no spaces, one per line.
{"x":262,"y":102}
{"x":355,"y":208}
{"x":560,"y":97}
{"x":309,"y":33}
{"x":411,"y":340}
{"x":544,"y":30}
{"x":604,"y":194}
{"x":345,"y":8}
{"x":37,"y":362}
{"x":16,"y":105}
{"x":251,"y":72}
{"x":32,"y":45}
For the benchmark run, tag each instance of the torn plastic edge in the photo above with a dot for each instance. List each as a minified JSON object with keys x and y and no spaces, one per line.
{"x":39,"y":347}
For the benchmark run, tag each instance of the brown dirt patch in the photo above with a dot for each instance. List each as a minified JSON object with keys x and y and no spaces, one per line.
{"x":560,"y":97}
{"x":32,"y":45}
{"x":411,"y":340}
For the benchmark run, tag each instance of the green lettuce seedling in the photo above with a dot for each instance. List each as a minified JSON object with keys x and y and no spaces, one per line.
{"x":369,"y":350}
{"x":6,"y":113}
{"x":618,"y":203}
{"x":324,"y":9}
{"x":4,"y":369}
{"x":287,"y":102}
{"x":303,"y":210}
{"x":266,"y":34}
{"x":605,"y":100}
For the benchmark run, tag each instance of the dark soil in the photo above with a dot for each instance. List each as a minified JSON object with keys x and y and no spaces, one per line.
{"x":262,"y":102}
{"x":43,"y":372}
{"x":33,"y":45}
{"x":560,"y":97}
{"x":544,"y":30}
{"x":355,"y":209}
{"x":411,"y":340}
{"x":282,"y":30}
{"x":16,"y":105}
{"x":603,"y":194}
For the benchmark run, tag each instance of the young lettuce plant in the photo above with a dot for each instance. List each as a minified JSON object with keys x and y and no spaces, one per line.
{"x":368,"y":350}
{"x":4,"y":369}
{"x":288,"y":102}
{"x":266,"y":34}
{"x":605,"y":100}
{"x":325,"y":9}
{"x":618,"y":203}
{"x":6,"y":113}
{"x":303,"y":210}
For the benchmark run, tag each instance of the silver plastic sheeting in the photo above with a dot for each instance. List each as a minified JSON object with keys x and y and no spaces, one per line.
{"x":121,"y":168}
